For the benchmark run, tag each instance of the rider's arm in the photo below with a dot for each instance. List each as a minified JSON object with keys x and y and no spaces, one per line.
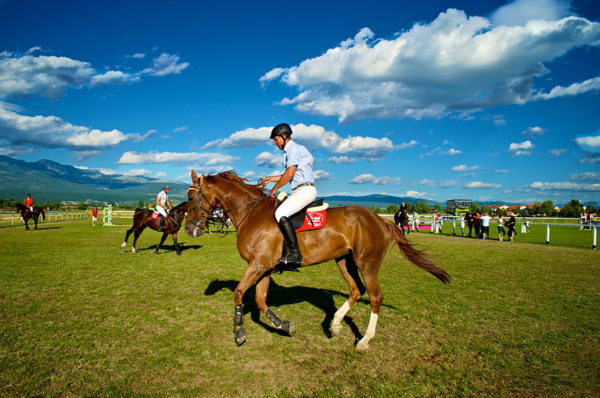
{"x":287,"y":175}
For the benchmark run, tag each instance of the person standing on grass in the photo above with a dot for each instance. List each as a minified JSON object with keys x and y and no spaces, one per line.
{"x":469,"y":217}
{"x":511,"y":223}
{"x":485,"y":225}
{"x":461,"y":220}
{"x":500,"y":228}
{"x":94,"y":216}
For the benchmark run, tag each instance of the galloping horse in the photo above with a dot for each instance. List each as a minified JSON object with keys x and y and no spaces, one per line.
{"x":354,"y":236}
{"x":26,"y":214}
{"x":401,"y":220}
{"x":143,"y":218}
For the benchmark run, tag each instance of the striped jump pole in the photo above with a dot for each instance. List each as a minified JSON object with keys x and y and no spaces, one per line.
{"x":594,"y":235}
{"x":547,"y":233}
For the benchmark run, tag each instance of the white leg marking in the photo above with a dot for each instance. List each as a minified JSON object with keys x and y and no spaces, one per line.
{"x":336,"y":326}
{"x":123,"y":245}
{"x":363,"y":344}
{"x":133,"y":250}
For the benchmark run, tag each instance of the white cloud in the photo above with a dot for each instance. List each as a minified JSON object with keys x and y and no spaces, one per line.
{"x":592,"y":158}
{"x":313,"y":137}
{"x":165,"y":64}
{"x":85,"y":155}
{"x":590,"y":141}
{"x":520,"y":148}
{"x":557,"y":152}
{"x":138,"y":56}
{"x":341,"y":159}
{"x":138,"y":172}
{"x":421,"y":72}
{"x":202,"y":158}
{"x":452,"y":152}
{"x":464,"y":167}
{"x":408,"y":144}
{"x":371,"y":179}
{"x":572,"y":90}
{"x":587,"y":176}
{"x":268,"y":159}
{"x":534,"y":131}
{"x":502,"y":171}
{"x":519,"y":12}
{"x":564,"y":186}
{"x":416,"y":194}
{"x":180,"y":129}
{"x":484,"y":185}
{"x":42,"y":75}
{"x":53,"y":132}
{"x":113,"y":77}
{"x":321,"y":175}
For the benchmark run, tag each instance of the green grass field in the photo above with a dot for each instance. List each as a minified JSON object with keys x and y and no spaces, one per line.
{"x":81,"y":317}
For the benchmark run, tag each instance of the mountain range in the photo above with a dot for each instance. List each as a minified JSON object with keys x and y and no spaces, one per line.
{"x":49,"y":182}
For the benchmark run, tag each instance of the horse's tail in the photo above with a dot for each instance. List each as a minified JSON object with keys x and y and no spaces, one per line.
{"x":416,"y":256}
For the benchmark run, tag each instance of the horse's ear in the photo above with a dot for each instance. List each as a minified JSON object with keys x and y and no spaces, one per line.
{"x":202,"y":179}
{"x":194,"y":176}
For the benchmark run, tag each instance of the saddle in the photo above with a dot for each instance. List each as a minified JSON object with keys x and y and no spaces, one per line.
{"x":156,"y":215}
{"x":313,"y":216}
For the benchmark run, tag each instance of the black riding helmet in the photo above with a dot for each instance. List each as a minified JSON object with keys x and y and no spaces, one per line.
{"x":281,"y":129}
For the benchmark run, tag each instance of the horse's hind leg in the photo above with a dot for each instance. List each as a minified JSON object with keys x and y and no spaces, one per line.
{"x":129,"y":231}
{"x":175,"y":243}
{"x":136,"y":235}
{"x":162,"y":240}
{"x":349,"y":271}
{"x":376,"y":298}
{"x":253,"y":273}
{"x":262,"y":287}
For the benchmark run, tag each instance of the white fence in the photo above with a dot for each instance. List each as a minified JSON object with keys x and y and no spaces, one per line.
{"x":12,"y":219}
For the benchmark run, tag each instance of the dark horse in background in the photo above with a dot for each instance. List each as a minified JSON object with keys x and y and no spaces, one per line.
{"x":354,"y":236}
{"x":143,"y":218}
{"x":26,"y":214}
{"x":401,"y":220}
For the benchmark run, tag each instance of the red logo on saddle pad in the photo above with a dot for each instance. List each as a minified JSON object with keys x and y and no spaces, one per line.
{"x":156,"y":215}
{"x":314,"y":220}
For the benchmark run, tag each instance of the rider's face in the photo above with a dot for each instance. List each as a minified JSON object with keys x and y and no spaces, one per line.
{"x":278,"y":141}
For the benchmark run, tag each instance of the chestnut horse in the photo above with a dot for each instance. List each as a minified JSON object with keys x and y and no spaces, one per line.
{"x":354,"y":236}
{"x":143,"y":218}
{"x":26,"y":214}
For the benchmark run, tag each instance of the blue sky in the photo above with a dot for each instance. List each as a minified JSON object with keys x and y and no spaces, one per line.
{"x":489,"y":100}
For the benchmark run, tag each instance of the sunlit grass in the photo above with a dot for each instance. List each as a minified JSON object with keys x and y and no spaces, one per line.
{"x":79,"y":316}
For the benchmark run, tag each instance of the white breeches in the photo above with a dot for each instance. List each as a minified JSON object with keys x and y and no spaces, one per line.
{"x":161,"y":210}
{"x":299,"y":199}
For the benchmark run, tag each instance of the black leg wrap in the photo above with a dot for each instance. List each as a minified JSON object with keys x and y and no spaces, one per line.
{"x":288,"y":327}
{"x":275,"y":321}
{"x":238,"y":319}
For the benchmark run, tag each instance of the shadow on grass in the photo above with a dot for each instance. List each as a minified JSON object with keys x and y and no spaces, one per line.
{"x":281,"y":295}
{"x":41,"y":228}
{"x":171,"y":248}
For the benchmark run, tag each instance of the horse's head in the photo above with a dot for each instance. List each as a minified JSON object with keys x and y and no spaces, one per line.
{"x":200,"y":206}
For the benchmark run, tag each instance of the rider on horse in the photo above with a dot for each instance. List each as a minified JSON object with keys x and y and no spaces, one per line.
{"x":29,"y":202}
{"x":162,"y":205}
{"x":298,"y":163}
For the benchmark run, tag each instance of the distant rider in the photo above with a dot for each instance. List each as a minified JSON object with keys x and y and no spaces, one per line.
{"x":298,"y":163}
{"x":29,"y":202}
{"x":162,"y":205}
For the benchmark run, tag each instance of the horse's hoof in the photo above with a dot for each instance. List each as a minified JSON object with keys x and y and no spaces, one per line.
{"x":133,"y":250}
{"x":179,"y":254}
{"x":362,"y":346}
{"x":156,"y":253}
{"x":288,"y":327}
{"x":239,"y":336}
{"x":335,"y":330}
{"x":123,"y":245}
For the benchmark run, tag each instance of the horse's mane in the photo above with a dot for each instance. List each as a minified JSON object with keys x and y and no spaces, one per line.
{"x":234,"y":178}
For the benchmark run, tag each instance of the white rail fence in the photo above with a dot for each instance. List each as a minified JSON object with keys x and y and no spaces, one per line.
{"x":8,"y":218}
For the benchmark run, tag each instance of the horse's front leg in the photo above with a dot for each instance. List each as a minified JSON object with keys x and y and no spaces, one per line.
{"x":262,"y":287}
{"x":174,"y":235}
{"x":251,"y":276}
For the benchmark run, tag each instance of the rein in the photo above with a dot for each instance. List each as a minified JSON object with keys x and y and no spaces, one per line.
{"x":209,"y":214}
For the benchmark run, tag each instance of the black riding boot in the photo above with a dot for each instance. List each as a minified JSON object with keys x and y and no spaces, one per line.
{"x":292,"y":255}
{"x":161,"y":226}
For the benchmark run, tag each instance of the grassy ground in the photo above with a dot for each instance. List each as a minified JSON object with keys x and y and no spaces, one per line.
{"x":81,"y":317}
